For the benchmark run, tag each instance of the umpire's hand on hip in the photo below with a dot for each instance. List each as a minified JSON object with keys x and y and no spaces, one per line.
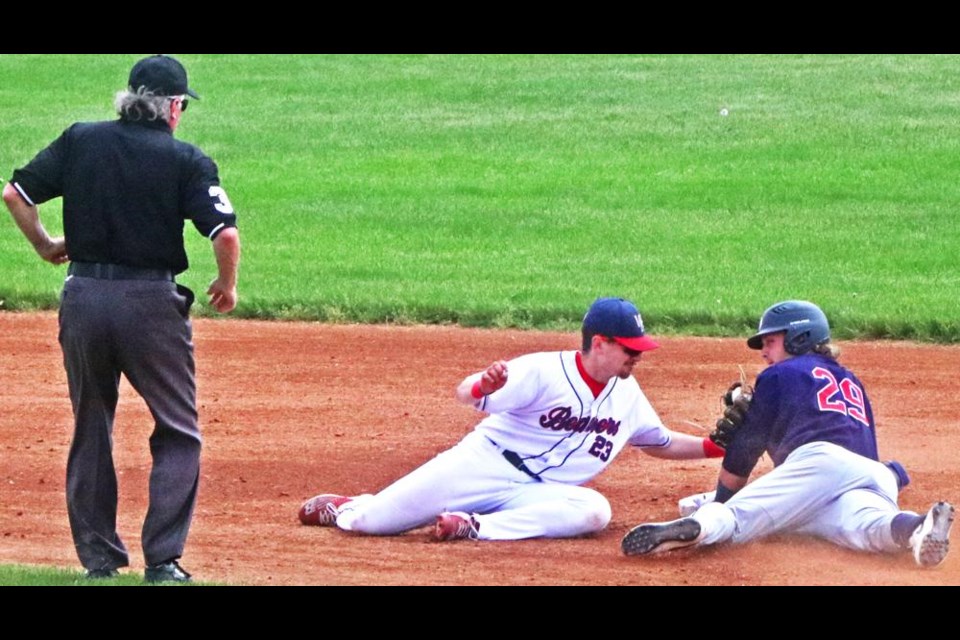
{"x":54,"y":252}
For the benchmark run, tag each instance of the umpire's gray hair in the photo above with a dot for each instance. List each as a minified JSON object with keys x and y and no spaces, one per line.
{"x":142,"y":105}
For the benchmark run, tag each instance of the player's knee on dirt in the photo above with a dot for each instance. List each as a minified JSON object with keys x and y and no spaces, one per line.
{"x":600,"y":518}
{"x":595,"y":512}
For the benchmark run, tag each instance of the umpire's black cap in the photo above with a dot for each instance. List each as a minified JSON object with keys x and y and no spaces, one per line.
{"x":161,"y":75}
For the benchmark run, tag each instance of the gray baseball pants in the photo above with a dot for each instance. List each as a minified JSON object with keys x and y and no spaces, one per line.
{"x":140,"y":328}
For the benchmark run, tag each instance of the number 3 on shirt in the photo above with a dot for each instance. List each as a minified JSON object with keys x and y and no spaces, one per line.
{"x":851,"y":404}
{"x":222,"y":203}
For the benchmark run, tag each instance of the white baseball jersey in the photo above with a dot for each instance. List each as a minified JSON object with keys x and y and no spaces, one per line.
{"x":547,"y":414}
{"x":546,"y":417}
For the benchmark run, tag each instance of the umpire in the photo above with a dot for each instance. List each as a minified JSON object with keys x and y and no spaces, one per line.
{"x":127,"y":187}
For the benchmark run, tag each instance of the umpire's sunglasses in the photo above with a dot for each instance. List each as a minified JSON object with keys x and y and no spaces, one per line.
{"x":183,"y":102}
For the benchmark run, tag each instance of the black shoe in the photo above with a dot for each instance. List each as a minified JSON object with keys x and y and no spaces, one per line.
{"x":100,"y":574}
{"x":660,"y":536}
{"x":166,"y":572}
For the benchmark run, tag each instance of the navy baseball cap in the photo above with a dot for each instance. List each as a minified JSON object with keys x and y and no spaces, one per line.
{"x":161,"y":75}
{"x":618,"y":319}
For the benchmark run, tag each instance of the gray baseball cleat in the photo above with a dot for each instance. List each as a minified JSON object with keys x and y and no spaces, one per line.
{"x":660,"y":536}
{"x":931,"y":541}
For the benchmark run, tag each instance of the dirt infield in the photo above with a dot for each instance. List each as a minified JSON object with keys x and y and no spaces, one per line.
{"x":289,"y":410}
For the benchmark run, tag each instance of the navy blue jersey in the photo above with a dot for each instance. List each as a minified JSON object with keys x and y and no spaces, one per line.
{"x":808,"y":398}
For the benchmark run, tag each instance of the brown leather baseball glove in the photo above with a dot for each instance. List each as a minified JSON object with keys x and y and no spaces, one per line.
{"x":736,"y":402}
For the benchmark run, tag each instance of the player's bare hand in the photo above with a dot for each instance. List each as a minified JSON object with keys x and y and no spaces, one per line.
{"x":223,"y":297}
{"x":494,"y":377}
{"x":54,"y":251}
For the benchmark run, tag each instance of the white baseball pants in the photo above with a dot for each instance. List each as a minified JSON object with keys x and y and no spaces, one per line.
{"x":474,"y":477}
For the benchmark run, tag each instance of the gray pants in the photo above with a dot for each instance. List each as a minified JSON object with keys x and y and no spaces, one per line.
{"x":140,"y":329}
{"x":820,"y":490}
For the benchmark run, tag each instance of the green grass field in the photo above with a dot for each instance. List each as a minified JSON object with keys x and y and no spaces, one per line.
{"x":31,"y":576}
{"x":512,"y":190}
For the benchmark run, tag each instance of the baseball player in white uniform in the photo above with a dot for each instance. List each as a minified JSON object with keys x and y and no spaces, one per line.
{"x":555,"y":420}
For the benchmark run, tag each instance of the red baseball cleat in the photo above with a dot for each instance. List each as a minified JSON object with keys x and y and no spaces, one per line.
{"x":456,"y":526}
{"x":321,"y":511}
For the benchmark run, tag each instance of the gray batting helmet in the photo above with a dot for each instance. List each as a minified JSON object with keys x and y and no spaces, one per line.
{"x":806,"y":326}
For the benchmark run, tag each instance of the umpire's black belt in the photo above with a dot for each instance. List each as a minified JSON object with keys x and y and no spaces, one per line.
{"x":514,"y":458}
{"x":108,"y":271}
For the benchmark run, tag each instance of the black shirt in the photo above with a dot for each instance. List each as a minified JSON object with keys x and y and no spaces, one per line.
{"x":127,"y":187}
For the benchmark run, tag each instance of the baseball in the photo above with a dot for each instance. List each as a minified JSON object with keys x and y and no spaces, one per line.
{"x":724,"y":112}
